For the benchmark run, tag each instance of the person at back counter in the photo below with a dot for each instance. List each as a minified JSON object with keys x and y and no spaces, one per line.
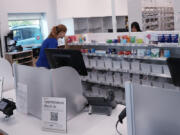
{"x":50,"y":43}
{"x":135,"y":27}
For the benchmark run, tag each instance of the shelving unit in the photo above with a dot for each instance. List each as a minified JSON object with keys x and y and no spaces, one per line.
{"x":104,"y":74}
{"x":164,"y":45}
{"x":97,"y":24}
{"x":158,"y":18}
{"x":24,"y":57}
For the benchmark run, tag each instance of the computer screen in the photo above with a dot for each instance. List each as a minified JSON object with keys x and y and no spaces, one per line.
{"x":174,"y":67}
{"x":63,"y":57}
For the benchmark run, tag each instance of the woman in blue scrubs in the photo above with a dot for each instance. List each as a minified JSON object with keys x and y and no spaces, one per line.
{"x":51,"y":42}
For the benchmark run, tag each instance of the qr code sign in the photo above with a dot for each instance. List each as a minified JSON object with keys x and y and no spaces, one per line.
{"x":54,"y":116}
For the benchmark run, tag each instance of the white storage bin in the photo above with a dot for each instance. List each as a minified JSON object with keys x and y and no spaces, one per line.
{"x":116,"y":65}
{"x":136,"y":78}
{"x":166,"y":70}
{"x":94,"y":76}
{"x":135,"y":66}
{"x":86,"y":61}
{"x":93,"y":63}
{"x":101,"y":77}
{"x":157,"y":84}
{"x":170,"y":86}
{"x":95,"y":91}
{"x":119,"y":95}
{"x":117,"y":79}
{"x":146,"y":81}
{"x":125,"y":78}
{"x":145,"y":68}
{"x":108,"y":63}
{"x":100,"y":63}
{"x":103,"y":92}
{"x":157,"y":69}
{"x":109,"y":78}
{"x":125,"y":65}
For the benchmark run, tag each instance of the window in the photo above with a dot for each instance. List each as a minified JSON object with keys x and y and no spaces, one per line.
{"x":28,"y":29}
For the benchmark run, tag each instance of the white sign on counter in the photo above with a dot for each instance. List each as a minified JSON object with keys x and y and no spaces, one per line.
{"x":54,"y":116}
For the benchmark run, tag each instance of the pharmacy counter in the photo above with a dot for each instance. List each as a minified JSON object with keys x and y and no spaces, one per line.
{"x":83,"y":124}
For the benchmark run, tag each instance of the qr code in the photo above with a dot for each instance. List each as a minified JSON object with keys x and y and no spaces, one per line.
{"x":54,"y":116}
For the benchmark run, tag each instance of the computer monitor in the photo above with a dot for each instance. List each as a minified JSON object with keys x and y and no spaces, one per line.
{"x":63,"y":57}
{"x":174,"y":67}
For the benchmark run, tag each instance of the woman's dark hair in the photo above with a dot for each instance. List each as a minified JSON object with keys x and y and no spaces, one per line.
{"x":136,"y":25}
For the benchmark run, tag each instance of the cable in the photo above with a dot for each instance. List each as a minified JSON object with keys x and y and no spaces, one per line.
{"x":117,"y":128}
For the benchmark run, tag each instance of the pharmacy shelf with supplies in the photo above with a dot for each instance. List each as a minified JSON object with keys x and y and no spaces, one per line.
{"x":129,"y":57}
{"x":113,"y":70}
{"x":160,"y":45}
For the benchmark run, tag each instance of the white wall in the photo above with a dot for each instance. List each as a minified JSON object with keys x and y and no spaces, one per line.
{"x":135,"y":12}
{"x":176,"y":4}
{"x":69,"y":24}
{"x":27,"y":6}
{"x":89,"y":8}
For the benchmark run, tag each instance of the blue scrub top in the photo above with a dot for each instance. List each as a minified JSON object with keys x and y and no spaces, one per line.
{"x":48,"y":43}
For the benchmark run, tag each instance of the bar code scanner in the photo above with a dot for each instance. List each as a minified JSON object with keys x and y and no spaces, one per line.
{"x":6,"y":106}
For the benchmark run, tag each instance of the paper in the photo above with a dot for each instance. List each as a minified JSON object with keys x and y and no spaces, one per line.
{"x":116,"y":65}
{"x":54,"y":116}
{"x":108,"y":63}
{"x":135,"y":66}
{"x":156,"y":68}
{"x":125,"y":65}
{"x":100,"y":64}
{"x":145,"y":68}
{"x":93,"y":63}
{"x":101,"y":77}
{"x":117,"y":79}
{"x":22,"y":98}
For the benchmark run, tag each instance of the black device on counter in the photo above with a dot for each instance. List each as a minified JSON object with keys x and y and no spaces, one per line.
{"x":63,"y":57}
{"x":7,"y":107}
{"x":102,"y":105}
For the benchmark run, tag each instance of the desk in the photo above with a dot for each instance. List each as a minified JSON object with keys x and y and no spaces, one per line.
{"x":83,"y":124}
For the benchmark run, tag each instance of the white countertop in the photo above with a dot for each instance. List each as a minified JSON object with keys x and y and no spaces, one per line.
{"x":83,"y":124}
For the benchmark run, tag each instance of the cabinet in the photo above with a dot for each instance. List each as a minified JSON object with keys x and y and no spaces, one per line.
{"x":24,"y":57}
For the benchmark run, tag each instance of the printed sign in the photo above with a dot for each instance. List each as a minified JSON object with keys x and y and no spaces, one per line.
{"x":54,"y":114}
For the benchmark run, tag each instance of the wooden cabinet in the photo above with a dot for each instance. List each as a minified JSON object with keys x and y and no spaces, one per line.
{"x":24,"y":57}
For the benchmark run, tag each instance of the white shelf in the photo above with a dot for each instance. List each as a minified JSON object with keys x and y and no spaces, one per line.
{"x":163,"y":45}
{"x":133,"y":72}
{"x":101,"y":83}
{"x":120,"y":56}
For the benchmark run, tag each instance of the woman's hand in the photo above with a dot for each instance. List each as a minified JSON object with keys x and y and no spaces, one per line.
{"x":66,"y":42}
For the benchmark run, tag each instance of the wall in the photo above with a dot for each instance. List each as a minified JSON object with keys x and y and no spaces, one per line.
{"x":176,"y":4}
{"x":27,"y":6}
{"x":135,"y":12}
{"x":89,"y":8}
